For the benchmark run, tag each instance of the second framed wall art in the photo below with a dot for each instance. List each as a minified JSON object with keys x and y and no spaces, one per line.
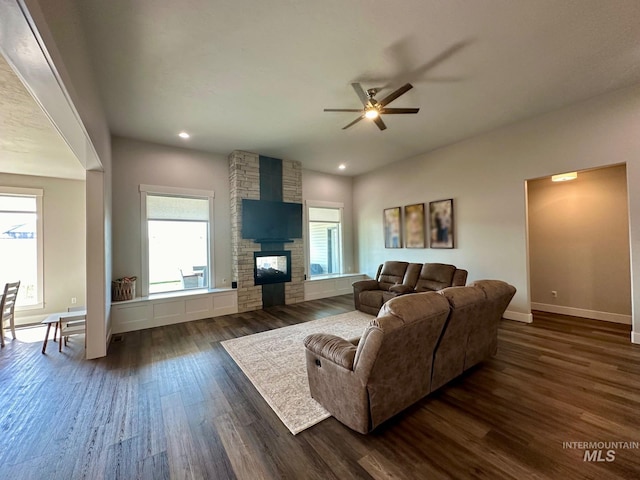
{"x":414,"y":224}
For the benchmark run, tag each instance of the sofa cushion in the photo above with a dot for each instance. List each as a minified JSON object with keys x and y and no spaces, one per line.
{"x":392,"y":272}
{"x":411,"y":326}
{"x":410,"y":308}
{"x":483,"y":337}
{"x":466,"y":308}
{"x":435,"y":276}
{"x":371,"y":298}
{"x":386,"y":296}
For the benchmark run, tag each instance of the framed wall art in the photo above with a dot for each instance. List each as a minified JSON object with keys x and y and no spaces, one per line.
{"x":441,"y":223}
{"x":414,"y":226}
{"x":392,"y":221}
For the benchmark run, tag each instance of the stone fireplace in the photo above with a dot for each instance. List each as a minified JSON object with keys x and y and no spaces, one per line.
{"x":263,"y":178}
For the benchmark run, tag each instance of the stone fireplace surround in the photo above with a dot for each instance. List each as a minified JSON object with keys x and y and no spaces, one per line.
{"x":262,"y":178}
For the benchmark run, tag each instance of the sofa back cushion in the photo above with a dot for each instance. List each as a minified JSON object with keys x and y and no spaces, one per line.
{"x":459,"y":278}
{"x":412,"y":274}
{"x":483,"y":337}
{"x":399,"y":361}
{"x":435,"y":276}
{"x":392,"y":272}
{"x":467,"y":305}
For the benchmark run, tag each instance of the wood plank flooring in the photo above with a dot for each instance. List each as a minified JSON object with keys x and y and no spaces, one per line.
{"x":170,"y":403}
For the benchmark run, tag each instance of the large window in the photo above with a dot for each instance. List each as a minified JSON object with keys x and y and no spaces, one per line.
{"x":21,"y":243}
{"x":177,"y":230}
{"x":325,"y":238}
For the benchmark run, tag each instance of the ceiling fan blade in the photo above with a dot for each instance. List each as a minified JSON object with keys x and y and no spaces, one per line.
{"x":354,"y":122}
{"x":343,"y":110}
{"x":362,"y":95}
{"x":387,"y":111}
{"x":378,"y":121}
{"x":393,"y":95}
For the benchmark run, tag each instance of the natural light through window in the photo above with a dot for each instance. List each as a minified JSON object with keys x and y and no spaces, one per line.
{"x":21,"y":243}
{"x":325,"y":240}
{"x":178,"y":246}
{"x":177,"y":255}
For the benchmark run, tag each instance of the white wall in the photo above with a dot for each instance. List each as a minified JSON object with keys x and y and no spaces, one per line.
{"x":58,"y":71}
{"x":486,"y":178}
{"x":64,"y":254}
{"x":334,"y":188}
{"x":137,"y":162}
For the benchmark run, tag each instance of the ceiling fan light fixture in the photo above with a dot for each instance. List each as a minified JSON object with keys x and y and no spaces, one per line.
{"x":371,"y":113}
{"x":374,"y":109}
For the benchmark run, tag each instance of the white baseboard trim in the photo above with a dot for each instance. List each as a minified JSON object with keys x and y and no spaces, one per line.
{"x":584,"y":313}
{"x":518,"y":316}
{"x":635,"y":337}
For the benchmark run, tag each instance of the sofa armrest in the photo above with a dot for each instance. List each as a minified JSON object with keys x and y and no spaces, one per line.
{"x":332,"y":348}
{"x":363,"y":285}
{"x":402,"y":289}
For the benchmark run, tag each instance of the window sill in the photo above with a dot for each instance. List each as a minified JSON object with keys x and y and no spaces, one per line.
{"x":29,"y":308}
{"x":330,"y":276}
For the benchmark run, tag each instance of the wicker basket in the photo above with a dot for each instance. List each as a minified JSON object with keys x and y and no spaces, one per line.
{"x":123,"y":289}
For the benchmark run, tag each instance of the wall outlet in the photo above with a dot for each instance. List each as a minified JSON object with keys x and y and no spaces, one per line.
{"x":554,"y":293}
{"x":74,"y":300}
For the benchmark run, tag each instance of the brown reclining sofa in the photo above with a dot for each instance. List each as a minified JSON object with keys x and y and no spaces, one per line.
{"x":417,"y":343}
{"x":398,"y":278}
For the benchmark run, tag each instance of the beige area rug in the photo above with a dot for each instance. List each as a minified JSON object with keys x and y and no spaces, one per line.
{"x":275,"y":363}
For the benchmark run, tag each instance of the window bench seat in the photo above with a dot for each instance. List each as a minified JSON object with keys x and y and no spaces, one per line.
{"x":175,"y":307}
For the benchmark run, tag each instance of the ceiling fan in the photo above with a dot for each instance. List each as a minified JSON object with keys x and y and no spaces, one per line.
{"x":374,"y":108}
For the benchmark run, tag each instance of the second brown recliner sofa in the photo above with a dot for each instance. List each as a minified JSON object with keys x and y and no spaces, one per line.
{"x":396,"y":278}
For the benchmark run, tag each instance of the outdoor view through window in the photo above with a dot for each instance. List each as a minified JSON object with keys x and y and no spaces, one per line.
{"x":19,"y":245}
{"x":177,"y":255}
{"x":325,"y":244}
{"x":178,"y":233}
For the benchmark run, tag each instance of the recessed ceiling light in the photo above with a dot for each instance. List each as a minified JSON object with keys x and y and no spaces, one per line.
{"x":184,"y":135}
{"x":342,"y":166}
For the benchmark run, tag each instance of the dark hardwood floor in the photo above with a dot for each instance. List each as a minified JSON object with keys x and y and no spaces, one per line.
{"x":170,"y":403}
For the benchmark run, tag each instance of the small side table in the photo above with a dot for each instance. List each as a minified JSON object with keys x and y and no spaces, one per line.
{"x":51,"y":319}
{"x":58,"y":319}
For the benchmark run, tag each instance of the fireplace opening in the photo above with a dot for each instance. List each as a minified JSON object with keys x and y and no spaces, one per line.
{"x":271,"y":267}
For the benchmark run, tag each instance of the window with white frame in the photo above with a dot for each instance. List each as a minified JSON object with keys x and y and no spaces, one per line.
{"x":177,"y":232}
{"x":21,"y":243}
{"x":325,"y":238}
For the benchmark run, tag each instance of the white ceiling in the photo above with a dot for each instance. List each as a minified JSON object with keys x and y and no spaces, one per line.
{"x":256,"y":75}
{"x":29,"y":143}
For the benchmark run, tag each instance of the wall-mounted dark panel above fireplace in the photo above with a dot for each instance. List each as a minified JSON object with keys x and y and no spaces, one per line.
{"x":268,"y":222}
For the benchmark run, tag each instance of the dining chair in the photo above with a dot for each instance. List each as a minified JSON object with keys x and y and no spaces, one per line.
{"x":7,"y":306}
{"x":72,"y":325}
